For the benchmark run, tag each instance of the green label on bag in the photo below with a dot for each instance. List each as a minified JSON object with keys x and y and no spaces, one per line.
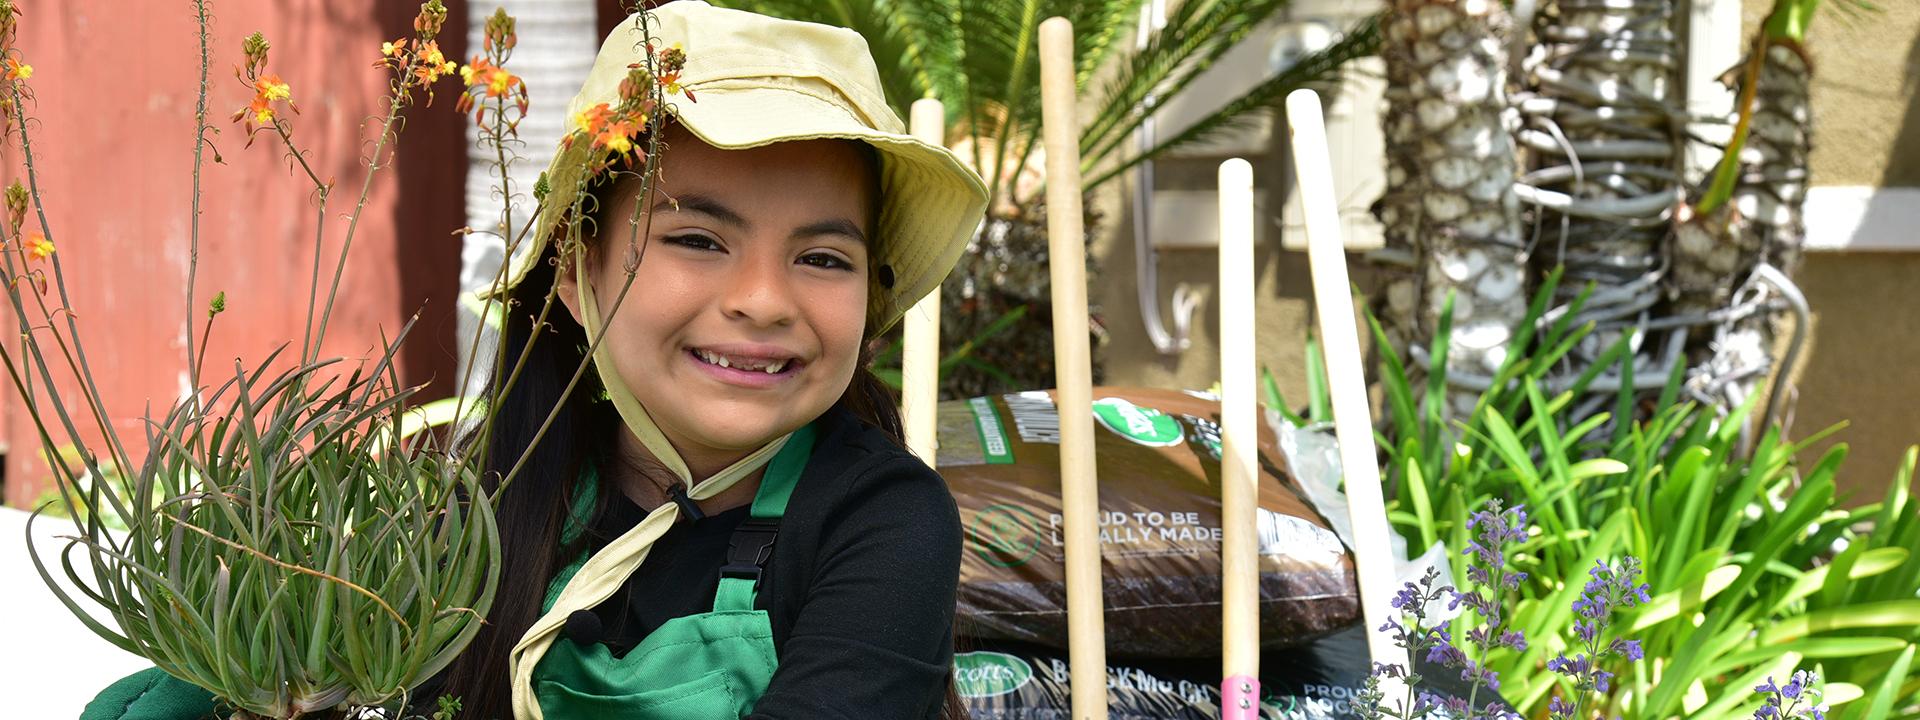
{"x":993,"y":436}
{"x":1004,"y":535}
{"x":1145,"y":426}
{"x":987,"y":674}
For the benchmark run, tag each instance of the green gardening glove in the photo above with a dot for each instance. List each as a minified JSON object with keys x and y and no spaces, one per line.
{"x":150,"y":695}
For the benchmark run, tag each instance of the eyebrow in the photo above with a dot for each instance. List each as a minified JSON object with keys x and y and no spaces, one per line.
{"x":717,"y":210}
{"x":706,"y":206}
{"x":838,"y":226}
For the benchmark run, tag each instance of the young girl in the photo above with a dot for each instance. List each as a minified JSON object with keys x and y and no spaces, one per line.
{"x":735,"y":529}
{"x":725,"y":524}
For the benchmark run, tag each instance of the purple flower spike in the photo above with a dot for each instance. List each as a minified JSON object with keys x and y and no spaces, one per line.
{"x":1608,"y":590}
{"x":1798,"y":699}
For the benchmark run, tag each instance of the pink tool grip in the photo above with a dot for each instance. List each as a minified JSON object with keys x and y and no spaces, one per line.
{"x":1240,"y":698}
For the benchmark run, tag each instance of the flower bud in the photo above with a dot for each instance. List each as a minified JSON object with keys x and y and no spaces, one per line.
{"x":500,"y":31}
{"x":255,"y":47}
{"x":672,"y":60}
{"x":17,"y":203}
{"x":218,"y":304}
{"x":637,"y":85}
{"x":433,"y":15}
{"x":9,"y":22}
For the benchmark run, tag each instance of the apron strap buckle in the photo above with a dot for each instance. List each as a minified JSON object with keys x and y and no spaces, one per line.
{"x":750,"y":548}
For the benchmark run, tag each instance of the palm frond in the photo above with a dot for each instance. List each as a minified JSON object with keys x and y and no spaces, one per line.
{"x":1362,"y":40}
{"x":892,"y":37}
{"x":936,"y":25}
{"x":1195,"y":37}
{"x":1787,"y":22}
{"x":1100,"y":27}
{"x":1790,"y":18}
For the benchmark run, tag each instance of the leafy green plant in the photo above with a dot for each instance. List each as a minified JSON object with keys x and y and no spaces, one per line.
{"x":292,"y":542}
{"x":1754,"y":568}
{"x":49,"y":499}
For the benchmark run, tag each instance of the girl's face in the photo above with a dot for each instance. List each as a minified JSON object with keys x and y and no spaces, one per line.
{"x":748,"y":310}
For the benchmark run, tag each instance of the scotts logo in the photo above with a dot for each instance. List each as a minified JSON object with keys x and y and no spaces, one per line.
{"x":987,"y":674}
{"x":1146,"y":426}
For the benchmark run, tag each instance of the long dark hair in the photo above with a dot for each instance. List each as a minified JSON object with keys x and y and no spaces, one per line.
{"x":532,"y":509}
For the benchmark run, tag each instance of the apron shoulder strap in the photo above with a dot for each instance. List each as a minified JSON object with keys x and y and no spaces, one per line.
{"x":752,"y":543}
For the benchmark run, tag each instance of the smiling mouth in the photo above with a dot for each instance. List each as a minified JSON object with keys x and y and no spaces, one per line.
{"x":768,"y":365}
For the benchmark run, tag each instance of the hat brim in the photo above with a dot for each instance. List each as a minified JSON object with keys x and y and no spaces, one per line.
{"x":931,"y":204}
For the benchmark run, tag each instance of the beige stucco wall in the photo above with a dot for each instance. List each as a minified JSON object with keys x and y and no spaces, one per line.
{"x":1868,"y":115}
{"x":1862,"y":363}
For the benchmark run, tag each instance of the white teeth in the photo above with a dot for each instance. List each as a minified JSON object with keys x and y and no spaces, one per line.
{"x":773,"y":368}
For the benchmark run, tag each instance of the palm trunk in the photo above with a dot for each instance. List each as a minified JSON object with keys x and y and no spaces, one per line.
{"x":1449,"y":210}
{"x":1603,"y":129}
{"x":1762,"y":221}
{"x":1772,"y":194}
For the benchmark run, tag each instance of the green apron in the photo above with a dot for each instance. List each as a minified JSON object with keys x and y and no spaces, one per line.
{"x":710,"y":666}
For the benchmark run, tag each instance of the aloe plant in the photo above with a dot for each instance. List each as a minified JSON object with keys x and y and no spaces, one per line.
{"x":292,"y":542}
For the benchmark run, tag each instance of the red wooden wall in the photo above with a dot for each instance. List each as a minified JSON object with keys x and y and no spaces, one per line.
{"x":112,"y":135}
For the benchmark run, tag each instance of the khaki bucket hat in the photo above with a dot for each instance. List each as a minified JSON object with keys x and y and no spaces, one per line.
{"x":752,"y":80}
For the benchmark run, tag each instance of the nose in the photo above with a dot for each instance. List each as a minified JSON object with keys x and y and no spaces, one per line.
{"x":761,"y":291}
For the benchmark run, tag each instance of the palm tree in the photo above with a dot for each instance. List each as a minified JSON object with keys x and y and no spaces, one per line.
{"x":979,"y":58}
{"x":1604,"y":132}
{"x":1449,"y":214}
{"x":1751,"y":213}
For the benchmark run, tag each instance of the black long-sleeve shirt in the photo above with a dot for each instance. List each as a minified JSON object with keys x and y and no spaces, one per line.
{"x":859,"y":589}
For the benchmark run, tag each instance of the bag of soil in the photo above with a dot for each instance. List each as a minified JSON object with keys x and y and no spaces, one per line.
{"x":1315,"y":681}
{"x":1158,"y":457}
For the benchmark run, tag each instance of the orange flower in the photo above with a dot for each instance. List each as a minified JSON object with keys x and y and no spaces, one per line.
{"x":38,"y":247}
{"x":479,"y":68}
{"x":433,"y":64}
{"x":617,"y":136}
{"x":396,"y":47}
{"x":500,"y":82}
{"x":262,"y":112}
{"x":482,"y":74}
{"x":17,"y":70}
{"x":593,"y":119}
{"x":267,"y":90}
{"x":270,"y":88}
{"x":672,"y":61}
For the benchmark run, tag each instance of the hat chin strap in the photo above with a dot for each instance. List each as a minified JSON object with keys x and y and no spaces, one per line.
{"x":639,"y":422}
{"x":608,"y":569}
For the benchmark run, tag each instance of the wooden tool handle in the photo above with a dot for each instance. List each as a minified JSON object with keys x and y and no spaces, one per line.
{"x":1073,"y":368}
{"x":920,"y":358}
{"x":1340,"y":342}
{"x":1239,"y":443}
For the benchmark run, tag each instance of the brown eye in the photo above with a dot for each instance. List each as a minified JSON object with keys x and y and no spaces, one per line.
{"x":829,"y":261}
{"x":696,"y":242}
